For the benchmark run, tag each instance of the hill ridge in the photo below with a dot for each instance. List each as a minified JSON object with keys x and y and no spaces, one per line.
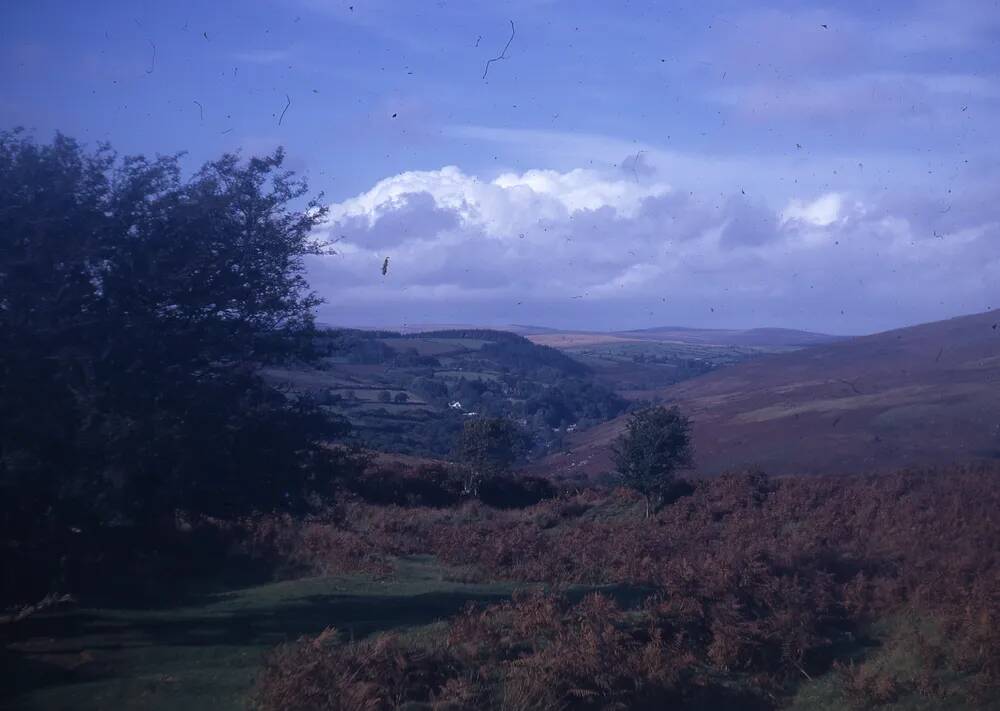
{"x":915,"y":396}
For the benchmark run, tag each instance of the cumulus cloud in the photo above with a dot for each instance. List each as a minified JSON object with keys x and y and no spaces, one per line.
{"x":823,"y":211}
{"x":499,"y":207}
{"x":586,"y":248}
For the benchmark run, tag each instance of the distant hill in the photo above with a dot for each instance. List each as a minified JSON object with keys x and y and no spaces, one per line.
{"x":528,"y":330}
{"x":635,"y":363}
{"x":640,"y":363}
{"x":733,"y":337}
{"x":559,"y":338}
{"x":923,"y":395}
{"x":753,"y":338}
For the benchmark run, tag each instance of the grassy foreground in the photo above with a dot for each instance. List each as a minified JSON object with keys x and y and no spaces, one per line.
{"x":206,"y":655}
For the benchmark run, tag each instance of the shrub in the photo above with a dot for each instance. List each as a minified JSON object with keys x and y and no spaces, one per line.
{"x":868,"y":686}
{"x":323,"y":674}
{"x":428,"y":485}
{"x":655,"y":444}
{"x":536,"y":652}
{"x":748,"y":580}
{"x":515,"y":492}
{"x":488,"y":447}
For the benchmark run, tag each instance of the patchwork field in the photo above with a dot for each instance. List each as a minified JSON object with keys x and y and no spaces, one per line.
{"x":411,"y":393}
{"x":638,"y":364}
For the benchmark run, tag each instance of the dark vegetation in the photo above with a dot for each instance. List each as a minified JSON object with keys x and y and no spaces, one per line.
{"x":136,"y":310}
{"x":488,"y":447}
{"x":440,"y":485}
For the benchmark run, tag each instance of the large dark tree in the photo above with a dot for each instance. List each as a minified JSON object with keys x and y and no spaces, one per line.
{"x":137,"y":307}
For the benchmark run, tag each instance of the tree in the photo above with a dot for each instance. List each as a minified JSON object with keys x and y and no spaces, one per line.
{"x":488,"y":446}
{"x":136,"y":310}
{"x":655,"y":444}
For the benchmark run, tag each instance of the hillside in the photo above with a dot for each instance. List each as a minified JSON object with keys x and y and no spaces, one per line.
{"x":770,"y":338}
{"x":917,"y":396}
{"x":410,"y":393}
{"x":407,"y":391}
{"x":639,"y":364}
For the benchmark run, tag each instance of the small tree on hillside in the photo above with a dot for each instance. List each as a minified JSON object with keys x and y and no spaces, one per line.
{"x":488,"y":447}
{"x":655,"y":444}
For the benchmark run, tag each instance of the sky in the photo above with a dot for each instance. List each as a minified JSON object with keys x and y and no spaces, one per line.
{"x":831,"y":167}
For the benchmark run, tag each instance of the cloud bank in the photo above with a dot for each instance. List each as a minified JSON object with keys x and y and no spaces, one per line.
{"x":614,"y":249}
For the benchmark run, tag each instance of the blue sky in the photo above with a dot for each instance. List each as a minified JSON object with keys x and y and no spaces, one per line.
{"x":626,"y":164}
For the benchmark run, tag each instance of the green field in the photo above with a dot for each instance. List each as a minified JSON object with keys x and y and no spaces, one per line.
{"x":204,"y":656}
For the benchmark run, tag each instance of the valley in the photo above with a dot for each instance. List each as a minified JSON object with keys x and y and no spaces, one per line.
{"x":409,"y":392}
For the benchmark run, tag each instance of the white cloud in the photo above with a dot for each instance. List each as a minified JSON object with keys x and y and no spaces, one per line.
{"x":606,"y":249}
{"x":499,"y":207}
{"x":581,"y":189}
{"x":822,"y":211}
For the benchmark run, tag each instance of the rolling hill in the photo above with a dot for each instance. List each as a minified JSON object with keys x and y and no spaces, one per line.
{"x":767,"y":338}
{"x":408,"y":391}
{"x":916,"y":396}
{"x":639,"y":364}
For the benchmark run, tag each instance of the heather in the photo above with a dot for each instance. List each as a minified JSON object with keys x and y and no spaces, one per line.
{"x":739,"y":593}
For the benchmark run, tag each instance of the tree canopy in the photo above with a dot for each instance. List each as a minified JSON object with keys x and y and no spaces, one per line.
{"x":489,"y":446}
{"x":136,"y":308}
{"x":655,"y":444}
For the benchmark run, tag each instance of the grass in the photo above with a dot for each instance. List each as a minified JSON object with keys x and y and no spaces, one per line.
{"x":206,"y":655}
{"x":893,"y":651}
